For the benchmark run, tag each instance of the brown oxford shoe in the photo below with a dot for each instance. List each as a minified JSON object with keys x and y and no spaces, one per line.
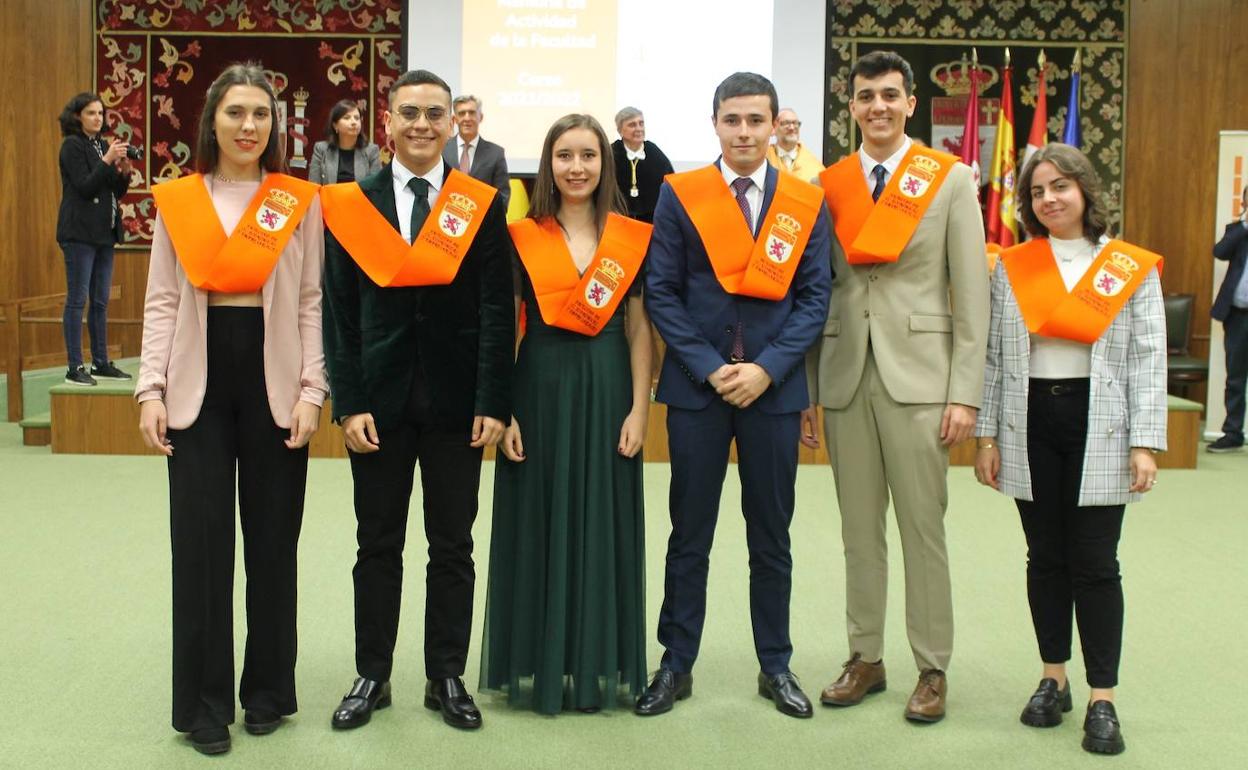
{"x":927,"y":704}
{"x":859,"y":679}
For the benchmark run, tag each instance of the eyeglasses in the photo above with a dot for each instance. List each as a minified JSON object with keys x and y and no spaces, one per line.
{"x":411,"y":114}
{"x":790,"y":124}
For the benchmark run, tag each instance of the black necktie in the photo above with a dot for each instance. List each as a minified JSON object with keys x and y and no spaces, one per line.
{"x":420,"y":208}
{"x":878,"y":172}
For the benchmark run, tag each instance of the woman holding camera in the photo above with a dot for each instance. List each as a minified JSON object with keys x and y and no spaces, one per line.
{"x":95,"y":173}
{"x":230,"y":389}
{"x":1074,"y":408}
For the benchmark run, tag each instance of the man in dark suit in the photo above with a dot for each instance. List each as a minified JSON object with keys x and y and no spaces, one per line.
{"x":734,"y":369}
{"x":639,"y":164}
{"x":473,"y":155}
{"x":418,"y":373}
{"x":1231,"y":308}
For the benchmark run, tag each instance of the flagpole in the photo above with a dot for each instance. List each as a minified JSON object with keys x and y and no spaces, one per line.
{"x":1071,"y":133}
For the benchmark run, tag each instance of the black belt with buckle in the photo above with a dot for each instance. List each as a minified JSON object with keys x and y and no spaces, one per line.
{"x":1071,"y":387}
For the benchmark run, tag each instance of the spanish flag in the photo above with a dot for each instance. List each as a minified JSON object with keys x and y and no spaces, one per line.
{"x":1002,"y":223}
{"x":1039,"y":135}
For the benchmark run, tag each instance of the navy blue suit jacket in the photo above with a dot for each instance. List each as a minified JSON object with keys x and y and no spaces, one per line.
{"x":697,"y":318}
{"x":1234,"y":248}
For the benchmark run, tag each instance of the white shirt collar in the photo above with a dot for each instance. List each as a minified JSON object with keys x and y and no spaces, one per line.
{"x":790,"y":154}
{"x":639,"y":154}
{"x":402,"y":175}
{"x":461,"y":142}
{"x":758,"y":176}
{"x":890,"y":165}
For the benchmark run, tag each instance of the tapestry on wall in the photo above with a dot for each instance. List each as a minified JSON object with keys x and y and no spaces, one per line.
{"x":936,"y":37}
{"x":154,"y":61}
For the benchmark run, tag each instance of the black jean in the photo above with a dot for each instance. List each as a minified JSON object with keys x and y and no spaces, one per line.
{"x":1072,"y":550}
{"x":88,"y":278}
{"x":234,"y":433}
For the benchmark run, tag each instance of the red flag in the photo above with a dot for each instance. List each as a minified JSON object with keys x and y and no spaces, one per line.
{"x":1039,"y":135}
{"x":1002,"y":223}
{"x":970,"y":129}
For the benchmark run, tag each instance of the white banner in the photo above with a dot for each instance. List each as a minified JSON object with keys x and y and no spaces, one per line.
{"x":1232,"y":178}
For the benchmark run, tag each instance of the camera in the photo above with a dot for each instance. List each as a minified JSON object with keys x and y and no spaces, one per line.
{"x":134,"y":153}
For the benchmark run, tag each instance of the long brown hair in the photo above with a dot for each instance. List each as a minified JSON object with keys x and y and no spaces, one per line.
{"x":1075,"y":166}
{"x":546,"y":199}
{"x":207,"y":153}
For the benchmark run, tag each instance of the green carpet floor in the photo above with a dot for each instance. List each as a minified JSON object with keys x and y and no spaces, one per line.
{"x":84,"y":638}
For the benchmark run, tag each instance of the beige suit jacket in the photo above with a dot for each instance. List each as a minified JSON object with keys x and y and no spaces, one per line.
{"x":925,"y":315}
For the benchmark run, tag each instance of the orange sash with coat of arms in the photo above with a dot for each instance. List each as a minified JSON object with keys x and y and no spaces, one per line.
{"x":761,"y":267}
{"x":581,"y":303}
{"x":434,"y":256}
{"x":878,"y":231}
{"x":1086,"y":311}
{"x":241,"y":262}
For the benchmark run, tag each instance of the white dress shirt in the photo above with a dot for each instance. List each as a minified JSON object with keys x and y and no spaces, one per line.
{"x":1053,"y":358}
{"x":637,"y":154}
{"x":753,"y":194}
{"x":404,"y":198}
{"x":890,"y":165}
{"x":1240,"y":298}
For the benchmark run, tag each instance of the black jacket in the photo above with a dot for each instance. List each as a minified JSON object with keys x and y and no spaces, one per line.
{"x":461,"y":335}
{"x":86,"y":181}
{"x":1234,"y":248}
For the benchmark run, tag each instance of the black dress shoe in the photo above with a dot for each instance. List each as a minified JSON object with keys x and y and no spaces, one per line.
{"x":665,"y":689}
{"x":211,"y":740}
{"x":261,"y":722}
{"x":1047,"y":704}
{"x":786,"y":693}
{"x":451,"y":698}
{"x":1101,"y":732}
{"x":357,"y":706}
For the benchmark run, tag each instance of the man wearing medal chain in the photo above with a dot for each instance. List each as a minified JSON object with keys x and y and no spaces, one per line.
{"x":899,"y":374}
{"x":639,"y":165}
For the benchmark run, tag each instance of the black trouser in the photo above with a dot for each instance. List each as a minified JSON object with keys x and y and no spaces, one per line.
{"x":450,"y":472}
{"x":234,"y":430}
{"x":1235,"y":340}
{"x":1072,"y":550}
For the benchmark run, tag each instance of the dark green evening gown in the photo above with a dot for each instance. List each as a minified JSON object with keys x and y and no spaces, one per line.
{"x":565,"y":608}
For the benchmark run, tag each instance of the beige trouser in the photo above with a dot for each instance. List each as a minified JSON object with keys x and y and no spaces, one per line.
{"x":877,"y":445}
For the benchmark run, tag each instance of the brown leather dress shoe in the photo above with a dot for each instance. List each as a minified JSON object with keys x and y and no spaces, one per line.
{"x":927,"y":704}
{"x":859,"y":679}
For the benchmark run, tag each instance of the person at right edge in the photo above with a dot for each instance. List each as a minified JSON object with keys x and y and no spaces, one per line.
{"x":1074,"y":408}
{"x":900,"y":373}
{"x":1231,"y":308}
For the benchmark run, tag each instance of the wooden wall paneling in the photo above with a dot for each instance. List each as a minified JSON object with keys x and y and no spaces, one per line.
{"x":1184,"y":73}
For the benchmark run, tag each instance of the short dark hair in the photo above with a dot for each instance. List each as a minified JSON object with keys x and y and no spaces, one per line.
{"x":340,"y":108}
{"x":71,"y":122}
{"x":546,"y":200}
{"x":417,"y":78}
{"x":1075,"y":166}
{"x":207,"y":153}
{"x":745,"y":84}
{"x":877,"y":63}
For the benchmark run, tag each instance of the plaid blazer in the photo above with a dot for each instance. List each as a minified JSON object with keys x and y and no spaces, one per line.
{"x":1127,"y":405}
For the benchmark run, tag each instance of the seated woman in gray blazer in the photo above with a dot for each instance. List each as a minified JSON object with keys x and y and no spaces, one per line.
{"x":1074,"y":407}
{"x":345,"y":155}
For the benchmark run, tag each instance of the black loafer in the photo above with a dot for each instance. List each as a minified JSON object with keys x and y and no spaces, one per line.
{"x":261,"y":722}
{"x":783,"y":690}
{"x":1047,"y":705}
{"x":358,"y":705}
{"x":1101,"y":732}
{"x":211,"y":740}
{"x":451,"y":698}
{"x":665,"y":689}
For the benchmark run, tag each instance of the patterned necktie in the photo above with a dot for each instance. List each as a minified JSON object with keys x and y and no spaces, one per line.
{"x":465,"y":163}
{"x":740,"y":185}
{"x":420,"y":207}
{"x":878,"y":172}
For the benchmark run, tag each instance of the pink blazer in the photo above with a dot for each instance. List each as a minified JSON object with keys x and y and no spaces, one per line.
{"x":174,"y":363}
